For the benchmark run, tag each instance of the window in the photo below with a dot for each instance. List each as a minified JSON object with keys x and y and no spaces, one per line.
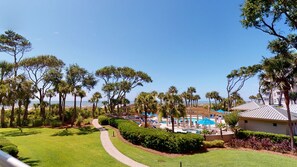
{"x":245,"y":121}
{"x":274,"y":124}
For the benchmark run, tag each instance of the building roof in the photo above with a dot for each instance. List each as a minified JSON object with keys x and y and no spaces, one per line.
{"x":267,"y":112}
{"x":293,"y":108}
{"x":247,"y":106}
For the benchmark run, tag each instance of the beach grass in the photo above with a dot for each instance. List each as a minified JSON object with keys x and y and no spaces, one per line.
{"x":47,"y":147}
{"x":213,"y":158}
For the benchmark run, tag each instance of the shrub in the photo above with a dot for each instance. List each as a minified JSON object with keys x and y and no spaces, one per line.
{"x":11,"y":149}
{"x":103,"y":120}
{"x":213,"y":144}
{"x":79,"y":121}
{"x":55,"y":123}
{"x":8,"y":147}
{"x":276,"y":138}
{"x":261,"y":140}
{"x":231,"y":119}
{"x":37,"y":122}
{"x":158,"y":139}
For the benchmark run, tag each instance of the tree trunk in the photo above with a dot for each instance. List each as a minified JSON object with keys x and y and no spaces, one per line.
{"x":191,"y":124}
{"x":280,"y":99}
{"x":259,"y":91}
{"x":287,"y":101}
{"x":145,"y":118}
{"x":229,"y":101}
{"x":60,"y":106}
{"x":3,"y":117}
{"x":93,"y":110}
{"x":25,"y":117}
{"x":50,"y":105}
{"x":80,"y":103}
{"x":74,"y":111}
{"x":96,"y":108}
{"x":41,"y":106}
{"x":270,"y":98}
{"x":172,"y":123}
{"x":63,"y":109}
{"x":12,"y":116}
{"x":19,"y":113}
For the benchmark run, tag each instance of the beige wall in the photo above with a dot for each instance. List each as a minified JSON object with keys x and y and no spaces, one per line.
{"x":226,"y":138}
{"x":264,"y":126}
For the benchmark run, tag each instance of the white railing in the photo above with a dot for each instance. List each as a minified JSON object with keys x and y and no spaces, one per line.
{"x":7,"y":160}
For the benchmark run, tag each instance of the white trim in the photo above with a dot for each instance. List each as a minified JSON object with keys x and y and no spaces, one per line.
{"x":9,"y":161}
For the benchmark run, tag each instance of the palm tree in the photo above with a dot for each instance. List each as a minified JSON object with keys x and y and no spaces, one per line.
{"x":50,"y":93}
{"x":190,"y":92}
{"x":196,"y":99}
{"x":208,"y":96}
{"x":94,"y":100}
{"x":147,"y":103}
{"x":105,"y":103}
{"x":173,"y":105}
{"x":281,"y":70}
{"x":63,"y":89}
{"x":81,"y":93}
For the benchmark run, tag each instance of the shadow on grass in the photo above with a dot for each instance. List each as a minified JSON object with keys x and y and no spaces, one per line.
{"x":29,"y":161}
{"x":63,"y":133}
{"x":16,"y":133}
{"x":86,"y":130}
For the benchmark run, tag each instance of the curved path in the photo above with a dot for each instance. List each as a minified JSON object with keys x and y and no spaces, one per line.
{"x":110,"y":148}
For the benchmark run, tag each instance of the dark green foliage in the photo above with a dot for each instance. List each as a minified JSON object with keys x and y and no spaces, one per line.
{"x":63,"y":133}
{"x":158,"y":139}
{"x":86,"y":130}
{"x":37,"y":122}
{"x":55,"y":123}
{"x":103,"y":120}
{"x":8,"y":147}
{"x":11,"y":149}
{"x":213,"y":144}
{"x":276,"y":138}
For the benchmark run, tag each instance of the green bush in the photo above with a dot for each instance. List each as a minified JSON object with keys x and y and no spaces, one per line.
{"x":232,"y":119}
{"x":37,"y":122}
{"x":11,"y":149}
{"x":79,"y":121}
{"x":213,"y":144}
{"x":56,"y":123}
{"x":276,"y":138}
{"x":158,"y":139}
{"x":8,"y":147}
{"x":103,"y":120}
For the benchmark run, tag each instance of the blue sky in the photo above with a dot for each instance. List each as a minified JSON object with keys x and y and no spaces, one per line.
{"x":181,"y":43}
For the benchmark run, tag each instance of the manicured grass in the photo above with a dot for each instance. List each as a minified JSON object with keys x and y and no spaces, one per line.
{"x":221,"y":157}
{"x":49,"y":147}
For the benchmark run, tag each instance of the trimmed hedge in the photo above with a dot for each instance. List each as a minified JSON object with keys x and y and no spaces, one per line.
{"x":213,"y":144}
{"x":8,"y":147}
{"x":158,"y":139}
{"x":103,"y":120}
{"x":276,"y":138}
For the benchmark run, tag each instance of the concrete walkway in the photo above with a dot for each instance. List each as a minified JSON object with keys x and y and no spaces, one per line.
{"x":110,"y":148}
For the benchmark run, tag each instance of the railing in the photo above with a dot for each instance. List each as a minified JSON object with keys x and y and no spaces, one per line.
{"x":7,"y":160}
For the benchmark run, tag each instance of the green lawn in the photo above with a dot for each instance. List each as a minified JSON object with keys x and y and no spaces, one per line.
{"x":47,"y":147}
{"x":213,"y":158}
